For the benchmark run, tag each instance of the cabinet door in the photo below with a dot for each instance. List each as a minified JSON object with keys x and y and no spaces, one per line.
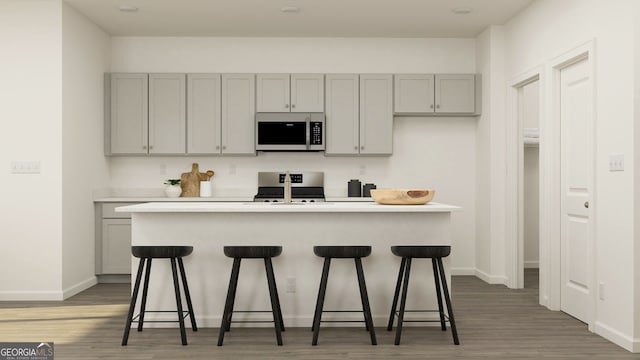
{"x":342,"y":115}
{"x":116,"y":246}
{"x":128,"y":114}
{"x":414,"y":93}
{"x":273,"y":93}
{"x":203,"y":114}
{"x":238,"y":114}
{"x":167,"y":114}
{"x":455,"y":93}
{"x":307,"y":92}
{"x":376,"y":114}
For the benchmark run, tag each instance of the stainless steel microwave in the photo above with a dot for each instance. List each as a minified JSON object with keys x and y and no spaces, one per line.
{"x":290,"y":132}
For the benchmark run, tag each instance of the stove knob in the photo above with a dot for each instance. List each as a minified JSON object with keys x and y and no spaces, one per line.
{"x":275,"y":200}
{"x":266,"y":201}
{"x":312,"y":200}
{"x":305,"y":200}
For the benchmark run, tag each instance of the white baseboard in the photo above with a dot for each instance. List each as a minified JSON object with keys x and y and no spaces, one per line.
{"x":79,"y":287}
{"x":48,"y":295}
{"x":490,"y":279}
{"x":531,"y":264}
{"x":618,"y":338}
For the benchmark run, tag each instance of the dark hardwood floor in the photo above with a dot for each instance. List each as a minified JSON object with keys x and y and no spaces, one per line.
{"x":493,"y":321}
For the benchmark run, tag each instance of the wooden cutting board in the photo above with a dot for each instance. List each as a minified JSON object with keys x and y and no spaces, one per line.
{"x":190,"y":181}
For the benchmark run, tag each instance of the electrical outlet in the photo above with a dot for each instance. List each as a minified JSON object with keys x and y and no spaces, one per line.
{"x":616,"y":162}
{"x":291,"y":284}
{"x":25,"y":167}
{"x":601,"y":291}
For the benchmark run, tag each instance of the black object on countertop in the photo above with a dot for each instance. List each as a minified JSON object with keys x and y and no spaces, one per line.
{"x":435,"y":253}
{"x":342,"y":252}
{"x":366,"y":189}
{"x":354,"y":188}
{"x":146,"y":254}
{"x":252,"y":252}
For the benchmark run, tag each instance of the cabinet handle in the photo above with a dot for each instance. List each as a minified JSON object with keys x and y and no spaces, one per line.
{"x":286,"y":106}
{"x":293,"y":106}
{"x":144,"y":147}
{"x":150,"y":147}
{"x":224,"y":147}
{"x":438,"y":106}
{"x":362,"y":147}
{"x":586,"y":204}
{"x":355,"y":148}
{"x":217,"y":147}
{"x":431,"y":106}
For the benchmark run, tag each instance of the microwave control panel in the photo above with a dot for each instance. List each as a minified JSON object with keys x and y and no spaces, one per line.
{"x":316,"y":133}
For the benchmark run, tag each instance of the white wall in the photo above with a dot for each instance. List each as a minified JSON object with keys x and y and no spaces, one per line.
{"x":490,"y":183}
{"x":31,"y":114}
{"x":547,"y":29}
{"x":428,"y":152}
{"x":85,"y":59}
{"x":636,"y":166}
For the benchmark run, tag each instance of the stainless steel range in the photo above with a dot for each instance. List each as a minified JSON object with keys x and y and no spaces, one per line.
{"x":305,"y":187}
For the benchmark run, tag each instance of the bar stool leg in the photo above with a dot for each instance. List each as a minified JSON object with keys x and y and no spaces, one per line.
{"x":176,"y":286}
{"x":438,"y":294}
{"x":403,"y":301}
{"x":134,"y":297}
{"x":365,"y":301}
{"x":275,"y":303}
{"x":452,"y":321}
{"x":396,"y":294}
{"x":145,"y":289}
{"x":231,"y":294}
{"x":320,"y":302}
{"x":187,"y":295}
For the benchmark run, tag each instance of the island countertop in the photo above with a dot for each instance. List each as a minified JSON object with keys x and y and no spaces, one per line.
{"x":260,"y":207}
{"x":209,"y":226}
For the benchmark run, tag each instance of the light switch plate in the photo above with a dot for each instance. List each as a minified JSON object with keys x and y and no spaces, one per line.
{"x":616,"y":162}
{"x":25,"y":167}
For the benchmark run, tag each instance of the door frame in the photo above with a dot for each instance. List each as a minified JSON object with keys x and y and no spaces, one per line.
{"x":550,"y":181}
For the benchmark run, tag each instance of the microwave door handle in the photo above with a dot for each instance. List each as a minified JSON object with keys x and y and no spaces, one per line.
{"x":308,"y":132}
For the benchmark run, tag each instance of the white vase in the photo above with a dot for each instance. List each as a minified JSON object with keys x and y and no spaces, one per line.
{"x":173,"y":191}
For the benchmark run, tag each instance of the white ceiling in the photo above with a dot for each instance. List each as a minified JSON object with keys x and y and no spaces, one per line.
{"x":316,"y":18}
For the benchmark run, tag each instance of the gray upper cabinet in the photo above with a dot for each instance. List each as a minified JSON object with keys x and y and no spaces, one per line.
{"x":455,"y":93}
{"x":290,"y":93}
{"x":238,"y":114}
{"x":307,"y":92}
{"x":126,"y":128}
{"x":167,"y":114}
{"x":376,"y":114}
{"x":359,"y":114}
{"x":342,"y":114}
{"x":204,"y":114}
{"x":439,"y":94}
{"x":414,"y":93}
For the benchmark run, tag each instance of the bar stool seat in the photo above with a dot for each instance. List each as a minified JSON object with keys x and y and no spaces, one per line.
{"x":175,"y":255}
{"x":435,"y":253}
{"x":252,"y":252}
{"x":342,"y":252}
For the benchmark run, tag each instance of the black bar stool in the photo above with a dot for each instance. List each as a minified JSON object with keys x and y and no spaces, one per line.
{"x":435,"y":253}
{"x":146,"y":254}
{"x":252,"y":252}
{"x":342,"y":252}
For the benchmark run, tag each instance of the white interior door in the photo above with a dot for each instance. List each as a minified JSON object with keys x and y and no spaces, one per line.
{"x":576,"y":112}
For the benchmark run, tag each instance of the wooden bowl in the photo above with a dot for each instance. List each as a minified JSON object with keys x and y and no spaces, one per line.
{"x":402,"y":196}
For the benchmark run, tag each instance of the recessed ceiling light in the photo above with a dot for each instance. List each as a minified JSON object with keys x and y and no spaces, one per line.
{"x":290,"y":9}
{"x":128,"y":8}
{"x":462,"y":10}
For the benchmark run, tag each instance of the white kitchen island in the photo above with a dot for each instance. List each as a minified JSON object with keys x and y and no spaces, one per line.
{"x":208,"y":227}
